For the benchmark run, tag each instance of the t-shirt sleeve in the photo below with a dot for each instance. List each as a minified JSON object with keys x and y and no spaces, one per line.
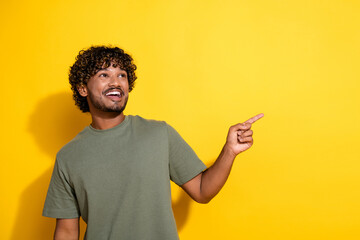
{"x":184,"y":163}
{"x":60,"y":201}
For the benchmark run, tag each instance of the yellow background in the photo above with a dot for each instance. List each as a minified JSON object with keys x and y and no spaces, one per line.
{"x":202,"y":66}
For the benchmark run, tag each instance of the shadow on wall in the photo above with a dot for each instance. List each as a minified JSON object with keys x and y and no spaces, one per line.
{"x":54,"y":122}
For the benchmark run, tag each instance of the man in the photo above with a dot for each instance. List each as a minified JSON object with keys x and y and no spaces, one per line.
{"x":116,"y":172}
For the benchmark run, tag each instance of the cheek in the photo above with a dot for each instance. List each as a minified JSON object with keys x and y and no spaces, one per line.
{"x":96,"y":88}
{"x":126,"y":86}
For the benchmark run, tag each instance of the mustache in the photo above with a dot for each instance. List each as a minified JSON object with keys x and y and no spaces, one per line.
{"x":111,"y":89}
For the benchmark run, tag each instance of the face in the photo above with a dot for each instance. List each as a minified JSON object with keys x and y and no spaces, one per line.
{"x":107,"y":90}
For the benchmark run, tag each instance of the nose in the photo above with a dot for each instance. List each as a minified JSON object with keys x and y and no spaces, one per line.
{"x":114,"y":81}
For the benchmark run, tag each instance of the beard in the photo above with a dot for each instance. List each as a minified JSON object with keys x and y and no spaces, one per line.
{"x":98,"y":104}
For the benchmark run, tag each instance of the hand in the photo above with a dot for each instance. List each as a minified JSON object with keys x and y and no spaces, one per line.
{"x":239,"y":137}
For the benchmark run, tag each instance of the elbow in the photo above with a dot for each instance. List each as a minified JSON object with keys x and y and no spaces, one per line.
{"x":203,"y":200}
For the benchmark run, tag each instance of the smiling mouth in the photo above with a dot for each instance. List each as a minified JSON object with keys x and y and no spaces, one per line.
{"x":114,"y":94}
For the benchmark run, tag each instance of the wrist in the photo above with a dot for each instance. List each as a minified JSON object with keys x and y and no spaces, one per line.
{"x":228,"y":152}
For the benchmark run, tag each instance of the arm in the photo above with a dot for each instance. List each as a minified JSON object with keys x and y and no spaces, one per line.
{"x":67,"y":229}
{"x":206,"y":185}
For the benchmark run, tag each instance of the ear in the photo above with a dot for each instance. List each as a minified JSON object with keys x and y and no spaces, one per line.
{"x":82,"y":90}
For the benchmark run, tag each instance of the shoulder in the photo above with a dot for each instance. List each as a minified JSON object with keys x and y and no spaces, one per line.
{"x":141,"y":122}
{"x":149,"y":127}
{"x":76,"y":143}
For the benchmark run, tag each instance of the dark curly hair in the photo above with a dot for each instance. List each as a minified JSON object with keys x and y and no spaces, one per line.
{"x":90,"y":61}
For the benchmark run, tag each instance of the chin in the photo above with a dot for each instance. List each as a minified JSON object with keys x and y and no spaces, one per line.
{"x":116,"y":108}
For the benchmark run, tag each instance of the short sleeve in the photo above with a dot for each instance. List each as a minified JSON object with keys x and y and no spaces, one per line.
{"x":184,"y":164}
{"x":60,"y":200}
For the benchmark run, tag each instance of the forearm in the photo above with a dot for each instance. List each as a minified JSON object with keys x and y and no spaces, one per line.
{"x":206,"y":185}
{"x":214,"y":178}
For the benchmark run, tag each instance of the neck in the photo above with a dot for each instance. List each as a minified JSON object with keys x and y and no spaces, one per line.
{"x":106,"y":120}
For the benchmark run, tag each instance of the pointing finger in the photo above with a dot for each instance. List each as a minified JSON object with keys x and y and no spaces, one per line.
{"x":254,"y":119}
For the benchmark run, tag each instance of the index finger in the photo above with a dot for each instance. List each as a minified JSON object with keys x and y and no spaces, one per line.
{"x":254,"y":119}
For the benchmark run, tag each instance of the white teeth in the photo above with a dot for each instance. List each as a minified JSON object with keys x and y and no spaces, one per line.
{"x":113,"y":93}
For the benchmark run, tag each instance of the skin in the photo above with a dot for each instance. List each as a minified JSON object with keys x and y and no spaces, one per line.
{"x":106,"y":112}
{"x":95,"y":91}
{"x":67,"y":229}
{"x":207,"y":184}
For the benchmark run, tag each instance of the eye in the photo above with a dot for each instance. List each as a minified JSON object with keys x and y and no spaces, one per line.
{"x":122,"y":75}
{"x":103,"y":75}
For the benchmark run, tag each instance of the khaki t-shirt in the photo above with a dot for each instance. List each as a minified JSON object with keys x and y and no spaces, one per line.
{"x":118,"y":180}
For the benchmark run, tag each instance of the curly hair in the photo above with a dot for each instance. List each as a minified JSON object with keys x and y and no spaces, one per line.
{"x":90,"y":61}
